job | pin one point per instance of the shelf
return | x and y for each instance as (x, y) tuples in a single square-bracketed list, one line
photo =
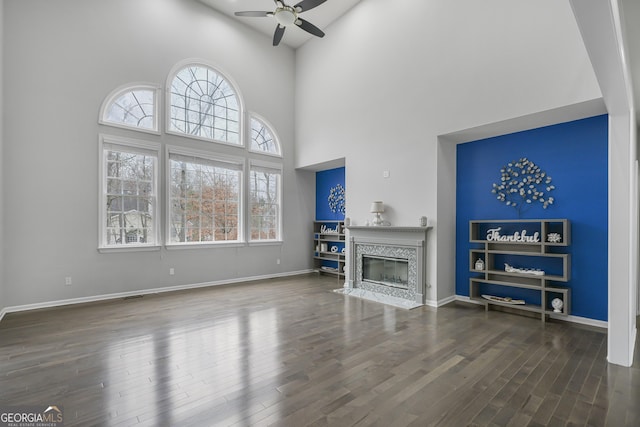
[(525, 307), (510, 284), (333, 262), (526, 276), (529, 243)]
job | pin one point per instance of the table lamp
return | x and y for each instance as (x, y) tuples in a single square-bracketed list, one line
[(377, 208)]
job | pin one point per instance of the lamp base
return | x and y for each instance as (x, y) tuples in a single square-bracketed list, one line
[(377, 221)]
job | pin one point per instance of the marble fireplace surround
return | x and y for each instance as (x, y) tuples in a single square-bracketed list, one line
[(408, 243)]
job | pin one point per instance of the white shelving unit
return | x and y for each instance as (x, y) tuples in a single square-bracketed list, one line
[(328, 235), (529, 242)]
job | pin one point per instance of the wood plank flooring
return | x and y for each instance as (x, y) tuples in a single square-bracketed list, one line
[(290, 352)]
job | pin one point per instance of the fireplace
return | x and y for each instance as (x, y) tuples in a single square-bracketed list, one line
[(386, 271), (388, 264)]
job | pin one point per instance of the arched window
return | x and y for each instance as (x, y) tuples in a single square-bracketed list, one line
[(204, 104), (132, 107), (263, 139)]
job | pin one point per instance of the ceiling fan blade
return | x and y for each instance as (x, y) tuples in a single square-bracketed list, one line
[(309, 27), (254, 14), (277, 36), (305, 5)]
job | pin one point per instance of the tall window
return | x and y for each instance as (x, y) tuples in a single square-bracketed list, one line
[(262, 138), (204, 198), (205, 105), (129, 202), (132, 107), (265, 201)]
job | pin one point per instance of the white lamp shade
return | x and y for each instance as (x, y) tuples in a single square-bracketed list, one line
[(376, 207)]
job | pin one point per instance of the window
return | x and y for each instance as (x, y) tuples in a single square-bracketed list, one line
[(132, 107), (129, 202), (262, 138), (265, 201), (205, 196), (210, 198), (204, 104)]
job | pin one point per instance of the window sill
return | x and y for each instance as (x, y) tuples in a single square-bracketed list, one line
[(266, 243), (180, 246), (111, 249)]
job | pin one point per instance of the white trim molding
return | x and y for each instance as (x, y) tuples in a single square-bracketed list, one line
[(107, 297)]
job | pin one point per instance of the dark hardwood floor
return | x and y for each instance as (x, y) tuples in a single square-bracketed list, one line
[(290, 352)]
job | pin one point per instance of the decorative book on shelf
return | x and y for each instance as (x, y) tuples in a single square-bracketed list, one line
[(521, 264)]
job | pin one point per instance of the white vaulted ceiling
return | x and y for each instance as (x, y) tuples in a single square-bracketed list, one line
[(321, 16)]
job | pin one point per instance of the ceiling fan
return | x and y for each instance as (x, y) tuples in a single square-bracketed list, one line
[(288, 15)]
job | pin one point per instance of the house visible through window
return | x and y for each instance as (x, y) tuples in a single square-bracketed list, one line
[(210, 198), (129, 193), (204, 202)]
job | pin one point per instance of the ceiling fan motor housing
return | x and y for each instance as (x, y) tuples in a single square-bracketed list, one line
[(286, 15)]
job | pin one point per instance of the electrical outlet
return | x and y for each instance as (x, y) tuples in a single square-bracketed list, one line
[(385, 174), (278, 261), (68, 281), (172, 271)]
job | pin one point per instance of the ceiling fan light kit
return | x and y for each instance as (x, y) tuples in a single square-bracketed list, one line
[(286, 15)]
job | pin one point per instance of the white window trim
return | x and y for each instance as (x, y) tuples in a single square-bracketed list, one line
[(125, 143), (242, 208), (116, 93), (195, 62), (280, 239), (276, 139)]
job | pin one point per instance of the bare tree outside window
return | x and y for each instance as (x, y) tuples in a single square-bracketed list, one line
[(265, 204), (205, 202), (204, 104)]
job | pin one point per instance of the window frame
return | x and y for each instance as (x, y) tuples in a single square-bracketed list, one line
[(251, 116), (118, 92), (167, 102), (132, 144), (215, 157), (276, 167)]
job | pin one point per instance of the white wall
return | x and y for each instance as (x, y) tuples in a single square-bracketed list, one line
[(2, 297), (63, 58), (600, 25), (385, 82)]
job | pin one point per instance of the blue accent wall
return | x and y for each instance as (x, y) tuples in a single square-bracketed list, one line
[(574, 155), (325, 181)]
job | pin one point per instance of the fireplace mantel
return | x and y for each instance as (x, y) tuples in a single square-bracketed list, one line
[(388, 228), (397, 242)]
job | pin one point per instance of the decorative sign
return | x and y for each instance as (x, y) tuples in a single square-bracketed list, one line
[(493, 235), (328, 230)]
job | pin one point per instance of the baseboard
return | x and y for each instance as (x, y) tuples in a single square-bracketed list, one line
[(106, 297), (439, 303), (572, 319), (466, 299)]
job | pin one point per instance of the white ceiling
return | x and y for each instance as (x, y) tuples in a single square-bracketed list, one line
[(323, 15), (320, 16)]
